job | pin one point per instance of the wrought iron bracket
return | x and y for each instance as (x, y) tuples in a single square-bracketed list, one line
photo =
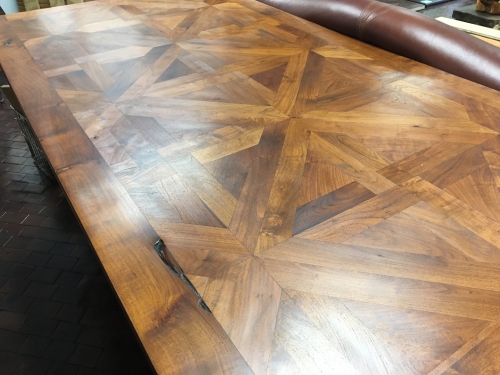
[(163, 253)]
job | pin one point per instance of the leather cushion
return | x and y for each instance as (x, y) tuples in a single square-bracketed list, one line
[(405, 33)]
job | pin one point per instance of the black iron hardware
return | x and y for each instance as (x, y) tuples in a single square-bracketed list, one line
[(162, 251)]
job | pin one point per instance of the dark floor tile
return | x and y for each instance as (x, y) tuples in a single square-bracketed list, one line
[(19, 137), (61, 263), (20, 271), (3, 280), (110, 360), (15, 152), (62, 248), (54, 223), (92, 336), (49, 211), (73, 227), (40, 326), (34, 188), (34, 220), (70, 313), (12, 229), (62, 368), (93, 371), (21, 145), (37, 259), (95, 317), (57, 235), (103, 299), (12, 176), (30, 170), (4, 238), (89, 266), (14, 255), (68, 295), (60, 351), (32, 198), (16, 186), (44, 275), (34, 346), (85, 355), (44, 308), (33, 179), (64, 204), (42, 246), (40, 290), (69, 279), (11, 320), (15, 303), (18, 364), (11, 340), (79, 239), (15, 196), (14, 285), (31, 208), (13, 217), (50, 201), (121, 354), (7, 136), (67, 331), (14, 206), (15, 159), (84, 252), (18, 242)]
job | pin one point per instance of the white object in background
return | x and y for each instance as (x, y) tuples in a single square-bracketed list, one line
[(9, 6), (471, 28)]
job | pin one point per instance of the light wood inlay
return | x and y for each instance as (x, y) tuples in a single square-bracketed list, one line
[(336, 206)]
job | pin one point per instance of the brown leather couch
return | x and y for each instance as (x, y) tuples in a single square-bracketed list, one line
[(403, 32)]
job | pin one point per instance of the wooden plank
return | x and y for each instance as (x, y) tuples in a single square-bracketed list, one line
[(289, 88), (361, 217), (278, 219), (384, 290)]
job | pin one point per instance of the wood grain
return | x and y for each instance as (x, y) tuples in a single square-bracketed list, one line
[(336, 206), (104, 209)]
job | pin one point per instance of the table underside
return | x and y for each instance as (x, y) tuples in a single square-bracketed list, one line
[(336, 206)]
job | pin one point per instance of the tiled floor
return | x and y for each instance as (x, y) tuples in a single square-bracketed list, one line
[(58, 314)]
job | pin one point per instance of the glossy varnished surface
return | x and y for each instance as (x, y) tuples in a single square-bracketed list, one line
[(336, 206)]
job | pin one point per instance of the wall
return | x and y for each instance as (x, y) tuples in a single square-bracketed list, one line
[(9, 6)]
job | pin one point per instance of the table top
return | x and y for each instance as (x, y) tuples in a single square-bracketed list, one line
[(336, 206)]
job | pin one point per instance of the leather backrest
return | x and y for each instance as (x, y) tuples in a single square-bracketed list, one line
[(403, 32)]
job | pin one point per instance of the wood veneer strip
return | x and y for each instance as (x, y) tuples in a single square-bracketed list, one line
[(460, 353)]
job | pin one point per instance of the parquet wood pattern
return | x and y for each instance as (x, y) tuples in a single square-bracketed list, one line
[(336, 206)]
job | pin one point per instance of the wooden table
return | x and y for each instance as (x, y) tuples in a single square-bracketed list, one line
[(335, 205)]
